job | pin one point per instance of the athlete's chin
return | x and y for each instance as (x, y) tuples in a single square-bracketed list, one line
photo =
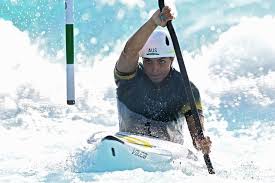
[(156, 79)]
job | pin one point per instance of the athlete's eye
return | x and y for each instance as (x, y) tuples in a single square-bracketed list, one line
[(162, 61), (147, 61)]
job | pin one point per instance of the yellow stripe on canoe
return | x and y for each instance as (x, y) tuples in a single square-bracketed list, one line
[(134, 140)]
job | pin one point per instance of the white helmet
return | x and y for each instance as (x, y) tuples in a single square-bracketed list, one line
[(159, 44)]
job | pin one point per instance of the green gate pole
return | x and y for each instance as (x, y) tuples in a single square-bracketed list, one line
[(70, 51)]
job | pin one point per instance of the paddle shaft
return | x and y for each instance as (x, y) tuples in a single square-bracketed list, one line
[(187, 87)]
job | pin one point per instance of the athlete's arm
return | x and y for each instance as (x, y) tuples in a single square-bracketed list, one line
[(200, 144), (128, 60)]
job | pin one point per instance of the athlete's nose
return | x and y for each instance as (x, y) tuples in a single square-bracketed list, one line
[(155, 67)]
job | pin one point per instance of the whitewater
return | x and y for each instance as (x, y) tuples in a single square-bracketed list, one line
[(229, 52)]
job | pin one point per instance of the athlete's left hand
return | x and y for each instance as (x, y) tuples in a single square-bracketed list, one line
[(203, 144), (162, 17)]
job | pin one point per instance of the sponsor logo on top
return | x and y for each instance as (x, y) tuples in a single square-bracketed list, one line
[(152, 51)]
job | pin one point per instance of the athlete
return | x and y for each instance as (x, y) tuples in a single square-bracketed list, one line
[(151, 95)]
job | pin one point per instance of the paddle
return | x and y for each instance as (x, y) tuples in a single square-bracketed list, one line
[(187, 87)]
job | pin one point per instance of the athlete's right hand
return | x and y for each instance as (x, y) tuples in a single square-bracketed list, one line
[(203, 144), (161, 18)]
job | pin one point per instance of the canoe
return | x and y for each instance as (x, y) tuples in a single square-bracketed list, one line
[(106, 151)]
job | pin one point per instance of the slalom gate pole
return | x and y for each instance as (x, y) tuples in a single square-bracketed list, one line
[(70, 51)]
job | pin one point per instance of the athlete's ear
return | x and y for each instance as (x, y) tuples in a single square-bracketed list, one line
[(172, 59)]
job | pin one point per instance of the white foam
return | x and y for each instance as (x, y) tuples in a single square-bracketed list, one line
[(25, 71), (241, 62), (130, 4), (41, 131)]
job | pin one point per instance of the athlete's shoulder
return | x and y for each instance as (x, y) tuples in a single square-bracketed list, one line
[(176, 77), (176, 74)]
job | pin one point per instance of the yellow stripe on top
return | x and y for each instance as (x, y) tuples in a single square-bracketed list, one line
[(134, 140), (124, 76), (185, 108)]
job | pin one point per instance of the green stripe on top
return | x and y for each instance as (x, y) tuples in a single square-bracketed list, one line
[(70, 43)]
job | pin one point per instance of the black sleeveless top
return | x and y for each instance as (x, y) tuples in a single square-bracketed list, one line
[(165, 102)]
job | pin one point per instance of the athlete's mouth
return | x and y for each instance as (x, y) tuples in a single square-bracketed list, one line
[(155, 76)]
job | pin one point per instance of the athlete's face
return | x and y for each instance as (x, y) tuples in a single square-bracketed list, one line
[(157, 68)]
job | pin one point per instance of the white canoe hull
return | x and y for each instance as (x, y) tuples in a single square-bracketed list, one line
[(123, 151)]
